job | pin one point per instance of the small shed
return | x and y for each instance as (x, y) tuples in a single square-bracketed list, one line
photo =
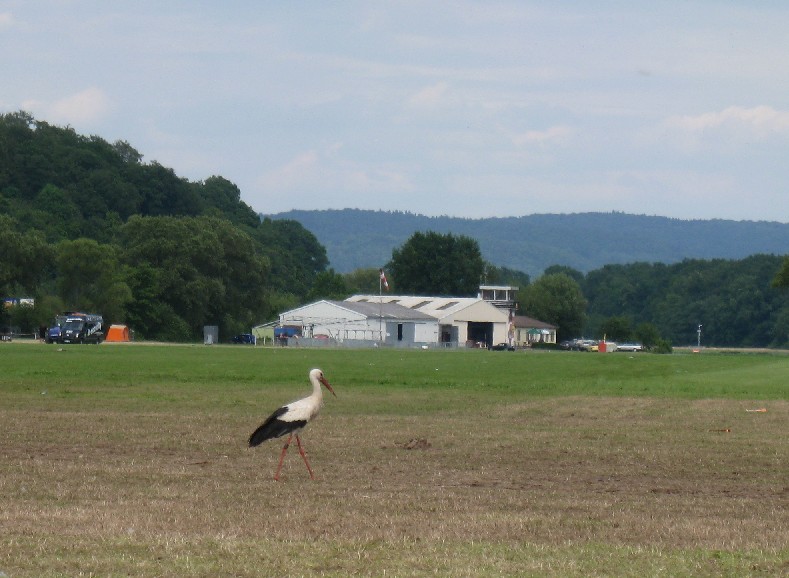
[(264, 333), (210, 334)]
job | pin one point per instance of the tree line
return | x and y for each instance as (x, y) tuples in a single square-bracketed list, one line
[(738, 303), (87, 225)]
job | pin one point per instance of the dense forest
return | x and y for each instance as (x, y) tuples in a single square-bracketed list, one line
[(734, 300), (87, 225), (584, 241)]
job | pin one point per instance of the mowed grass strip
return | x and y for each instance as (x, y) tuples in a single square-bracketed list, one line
[(131, 460)]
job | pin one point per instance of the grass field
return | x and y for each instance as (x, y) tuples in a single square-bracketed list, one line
[(131, 460)]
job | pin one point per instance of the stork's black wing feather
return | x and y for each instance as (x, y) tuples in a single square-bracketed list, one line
[(274, 427)]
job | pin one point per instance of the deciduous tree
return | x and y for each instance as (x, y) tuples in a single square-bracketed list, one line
[(617, 328), (90, 278), (199, 270), (328, 285), (437, 264), (782, 277), (556, 299), (26, 258)]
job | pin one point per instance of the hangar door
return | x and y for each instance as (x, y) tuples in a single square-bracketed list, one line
[(481, 332), (448, 335), (400, 333)]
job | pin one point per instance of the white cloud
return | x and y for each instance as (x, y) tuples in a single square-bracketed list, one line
[(320, 178), (81, 109), (289, 176), (759, 122), (554, 134), (430, 96)]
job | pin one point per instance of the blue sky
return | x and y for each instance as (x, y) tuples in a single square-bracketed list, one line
[(468, 109)]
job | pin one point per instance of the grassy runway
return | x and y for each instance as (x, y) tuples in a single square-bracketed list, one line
[(131, 460)]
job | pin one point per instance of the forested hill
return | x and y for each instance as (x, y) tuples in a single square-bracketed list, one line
[(584, 241), (86, 225)]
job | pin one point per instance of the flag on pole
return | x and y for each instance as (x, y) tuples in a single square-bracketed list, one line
[(384, 282)]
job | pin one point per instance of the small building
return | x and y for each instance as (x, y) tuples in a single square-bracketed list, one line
[(264, 333), (529, 331)]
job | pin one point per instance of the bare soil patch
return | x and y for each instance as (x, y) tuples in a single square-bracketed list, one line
[(148, 492)]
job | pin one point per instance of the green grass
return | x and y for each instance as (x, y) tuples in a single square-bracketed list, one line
[(689, 376), (123, 460), (389, 381)]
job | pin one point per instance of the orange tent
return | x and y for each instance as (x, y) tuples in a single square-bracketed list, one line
[(117, 333)]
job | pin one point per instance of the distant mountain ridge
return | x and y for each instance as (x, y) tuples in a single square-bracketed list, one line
[(356, 238)]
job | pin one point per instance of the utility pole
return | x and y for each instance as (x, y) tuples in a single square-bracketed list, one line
[(698, 336)]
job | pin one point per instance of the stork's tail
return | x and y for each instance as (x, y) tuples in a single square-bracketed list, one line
[(273, 427)]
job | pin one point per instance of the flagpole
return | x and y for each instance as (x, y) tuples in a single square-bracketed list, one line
[(380, 308), (382, 283)]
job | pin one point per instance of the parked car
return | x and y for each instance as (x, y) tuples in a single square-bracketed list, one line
[(503, 347), (586, 345), (53, 332), (244, 338), (631, 347)]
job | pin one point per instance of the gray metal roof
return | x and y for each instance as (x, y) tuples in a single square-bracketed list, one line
[(529, 322), (436, 307), (384, 310)]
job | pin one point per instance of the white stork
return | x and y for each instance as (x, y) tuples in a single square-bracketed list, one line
[(291, 418)]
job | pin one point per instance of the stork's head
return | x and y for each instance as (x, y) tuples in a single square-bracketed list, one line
[(317, 375)]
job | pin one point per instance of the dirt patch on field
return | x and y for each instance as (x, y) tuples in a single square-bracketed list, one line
[(637, 454), (634, 472)]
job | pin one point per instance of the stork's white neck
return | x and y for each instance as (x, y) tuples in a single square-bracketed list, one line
[(317, 393)]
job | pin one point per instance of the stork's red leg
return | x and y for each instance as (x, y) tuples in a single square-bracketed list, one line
[(282, 455), (304, 455)]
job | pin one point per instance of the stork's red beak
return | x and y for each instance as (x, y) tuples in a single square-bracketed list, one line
[(328, 386)]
